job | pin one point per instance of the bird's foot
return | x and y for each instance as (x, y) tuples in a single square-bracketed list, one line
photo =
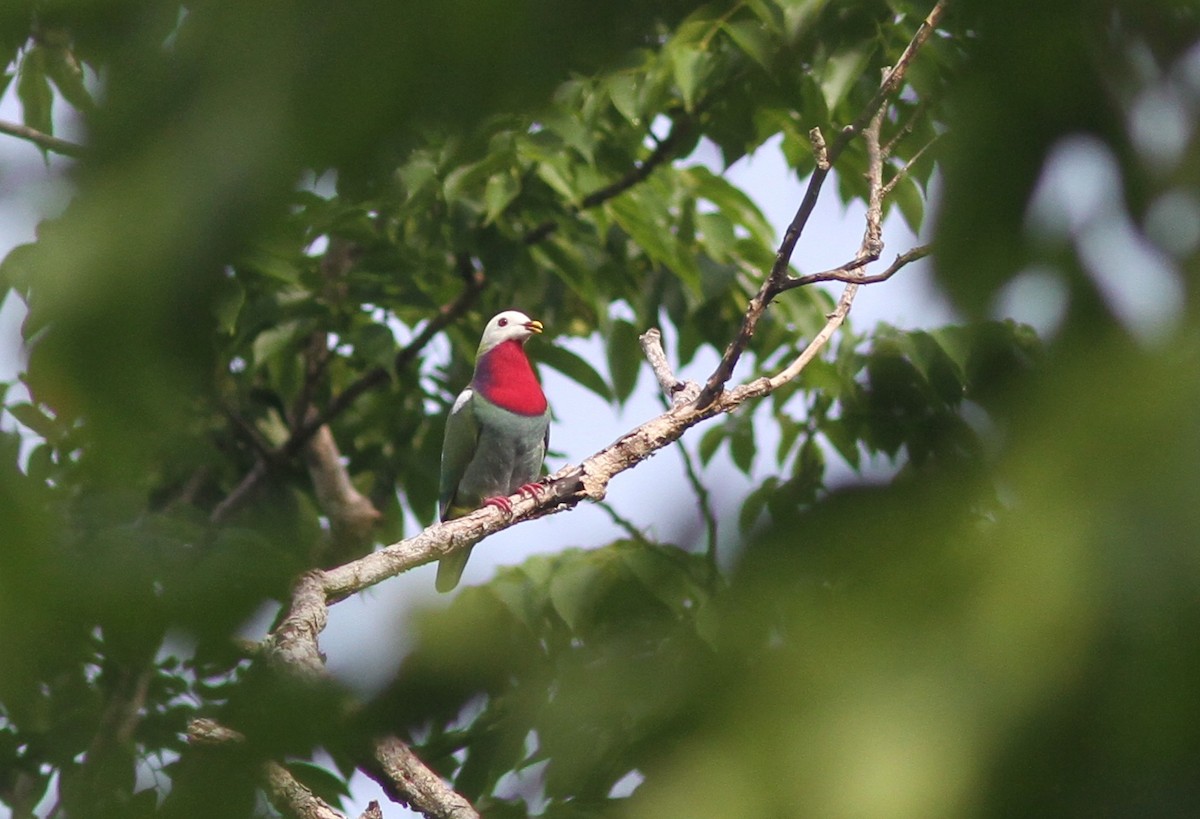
[(532, 490), (501, 503)]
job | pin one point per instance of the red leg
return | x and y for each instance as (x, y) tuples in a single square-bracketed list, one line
[(532, 490)]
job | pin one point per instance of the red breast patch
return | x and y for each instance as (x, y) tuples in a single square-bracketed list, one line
[(504, 376)]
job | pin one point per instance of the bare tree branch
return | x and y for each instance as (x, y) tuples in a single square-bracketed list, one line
[(407, 780), (44, 141), (826, 156), (292, 798)]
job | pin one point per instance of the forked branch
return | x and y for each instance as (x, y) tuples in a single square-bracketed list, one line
[(826, 156)]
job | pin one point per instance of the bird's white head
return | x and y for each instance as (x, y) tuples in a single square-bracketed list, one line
[(511, 325)]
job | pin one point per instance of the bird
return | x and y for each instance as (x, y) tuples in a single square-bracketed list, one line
[(496, 434)]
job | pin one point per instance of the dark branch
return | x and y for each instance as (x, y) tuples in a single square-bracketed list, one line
[(663, 152)]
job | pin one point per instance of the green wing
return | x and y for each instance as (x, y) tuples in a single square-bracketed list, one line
[(458, 448)]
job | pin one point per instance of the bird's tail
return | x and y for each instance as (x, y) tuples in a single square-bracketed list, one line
[(450, 569)]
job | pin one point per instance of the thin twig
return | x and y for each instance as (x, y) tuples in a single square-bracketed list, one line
[(892, 81), (848, 272), (43, 140), (904, 130), (903, 172)]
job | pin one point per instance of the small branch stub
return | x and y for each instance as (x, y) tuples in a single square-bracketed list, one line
[(677, 392), (820, 150)]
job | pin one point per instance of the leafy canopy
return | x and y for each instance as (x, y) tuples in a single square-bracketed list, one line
[(275, 201)]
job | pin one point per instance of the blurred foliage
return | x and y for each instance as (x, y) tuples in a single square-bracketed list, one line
[(276, 199)]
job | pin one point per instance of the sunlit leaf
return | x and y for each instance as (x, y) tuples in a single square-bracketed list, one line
[(690, 68), (841, 71), (502, 188)]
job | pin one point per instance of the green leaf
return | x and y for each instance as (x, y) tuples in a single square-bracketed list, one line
[(578, 586), (624, 359), (840, 71), (227, 304), (667, 573), (375, 343), (33, 418), (40, 465), (573, 367), (731, 201), (624, 91), (716, 235), (956, 344), (907, 196), (274, 341), (838, 433), (647, 220), (33, 90), (710, 442), (800, 15), (502, 188), (790, 431), (321, 781), (809, 469), (565, 260), (557, 175), (751, 37), (270, 263), (756, 501), (742, 445), (689, 66)]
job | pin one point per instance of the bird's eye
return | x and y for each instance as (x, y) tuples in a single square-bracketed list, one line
[(503, 322)]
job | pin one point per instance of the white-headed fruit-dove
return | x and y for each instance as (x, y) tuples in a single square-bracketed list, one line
[(497, 432)]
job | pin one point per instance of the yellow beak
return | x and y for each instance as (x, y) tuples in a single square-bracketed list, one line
[(533, 326)]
